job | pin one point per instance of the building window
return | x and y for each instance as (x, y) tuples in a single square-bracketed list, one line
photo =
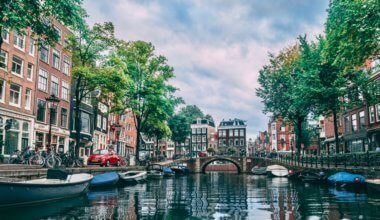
[(59, 33), (42, 80), (371, 114), (65, 90), (378, 112), (231, 133), (85, 118), (5, 36), (193, 131), (53, 115), (204, 130), (28, 98), (241, 132), (354, 122), (236, 132), (236, 142), (25, 135), (204, 138), (17, 64), (104, 125), (241, 142), (32, 46), (193, 138), (19, 41), (87, 99), (56, 58), (2, 90), (29, 72), (199, 131), (64, 117), (3, 60), (66, 65), (99, 121), (44, 53), (347, 124), (230, 142), (361, 120), (199, 138), (15, 93), (41, 106), (54, 86)]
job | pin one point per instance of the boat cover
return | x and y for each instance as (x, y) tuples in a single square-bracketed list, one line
[(110, 177), (344, 177), (167, 170)]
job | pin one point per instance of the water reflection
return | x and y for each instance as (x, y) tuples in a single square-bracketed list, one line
[(211, 196)]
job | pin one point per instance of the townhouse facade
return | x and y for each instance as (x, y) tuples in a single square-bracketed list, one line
[(202, 135), (18, 64), (281, 135), (232, 133)]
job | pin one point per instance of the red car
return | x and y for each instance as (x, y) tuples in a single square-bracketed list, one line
[(104, 158), (202, 154)]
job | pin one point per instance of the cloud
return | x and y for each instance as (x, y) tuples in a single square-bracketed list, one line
[(216, 47)]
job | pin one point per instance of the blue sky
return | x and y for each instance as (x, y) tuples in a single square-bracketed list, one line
[(216, 47)]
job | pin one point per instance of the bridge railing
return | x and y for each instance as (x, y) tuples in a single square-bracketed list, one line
[(355, 160)]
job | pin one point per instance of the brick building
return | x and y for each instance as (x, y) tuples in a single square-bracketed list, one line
[(232, 133), (281, 135), (18, 64), (202, 135)]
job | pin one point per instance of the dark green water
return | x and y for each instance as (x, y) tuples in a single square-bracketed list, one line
[(211, 196)]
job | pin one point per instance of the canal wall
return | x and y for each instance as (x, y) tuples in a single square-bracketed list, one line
[(32, 172)]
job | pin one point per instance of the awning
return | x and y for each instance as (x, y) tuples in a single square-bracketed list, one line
[(329, 140)]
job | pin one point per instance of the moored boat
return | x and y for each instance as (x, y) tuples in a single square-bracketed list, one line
[(346, 179), (24, 192), (259, 170), (133, 177), (311, 177), (373, 184), (168, 172), (155, 174), (180, 169), (104, 180), (277, 171)]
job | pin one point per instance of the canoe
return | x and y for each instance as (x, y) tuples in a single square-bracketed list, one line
[(277, 171), (373, 184), (259, 170), (104, 180), (345, 178), (133, 177), (168, 172), (155, 174), (24, 192), (311, 177)]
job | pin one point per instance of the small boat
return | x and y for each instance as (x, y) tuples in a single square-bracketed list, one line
[(180, 169), (259, 170), (373, 184), (104, 180), (155, 174), (57, 185), (311, 177), (277, 171), (168, 172), (133, 177), (346, 179)]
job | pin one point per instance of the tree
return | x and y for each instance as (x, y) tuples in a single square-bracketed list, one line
[(91, 70), (149, 93), (19, 15), (352, 32), (191, 112), (180, 129)]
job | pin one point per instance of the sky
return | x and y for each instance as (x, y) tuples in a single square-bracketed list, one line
[(216, 47)]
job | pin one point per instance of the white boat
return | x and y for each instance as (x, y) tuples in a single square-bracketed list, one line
[(133, 177), (277, 170), (23, 192), (155, 174), (373, 184)]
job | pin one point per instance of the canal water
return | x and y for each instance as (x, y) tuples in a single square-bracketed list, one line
[(210, 196)]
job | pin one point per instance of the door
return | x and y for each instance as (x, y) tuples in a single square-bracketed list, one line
[(11, 142)]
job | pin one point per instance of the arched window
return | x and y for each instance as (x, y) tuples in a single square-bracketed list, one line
[(25, 127)]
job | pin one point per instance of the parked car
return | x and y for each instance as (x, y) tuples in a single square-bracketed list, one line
[(104, 158), (202, 154)]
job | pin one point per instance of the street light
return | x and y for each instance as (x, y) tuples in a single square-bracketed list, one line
[(53, 103), (318, 130)]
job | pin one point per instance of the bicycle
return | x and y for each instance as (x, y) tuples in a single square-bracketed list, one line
[(52, 160), (69, 161), (20, 157), (37, 159)]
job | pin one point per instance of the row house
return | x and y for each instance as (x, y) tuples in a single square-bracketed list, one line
[(281, 135), (232, 133), (101, 125), (202, 135), (27, 77)]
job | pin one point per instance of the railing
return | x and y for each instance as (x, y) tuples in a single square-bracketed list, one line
[(353, 160)]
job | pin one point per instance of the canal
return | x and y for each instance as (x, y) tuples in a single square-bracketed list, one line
[(210, 196)]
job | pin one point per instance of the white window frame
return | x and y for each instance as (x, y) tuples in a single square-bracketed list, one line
[(354, 119), (6, 60), (54, 81), (21, 69), (6, 39), (16, 39), (65, 90), (47, 56), (66, 65), (372, 114), (32, 46), (104, 123), (59, 33), (31, 72), (56, 52), (28, 99), (2, 94), (377, 112), (19, 96), (39, 80)]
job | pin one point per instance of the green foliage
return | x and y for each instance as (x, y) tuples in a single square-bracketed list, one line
[(38, 15)]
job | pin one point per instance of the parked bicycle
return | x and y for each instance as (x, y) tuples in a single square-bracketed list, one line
[(20, 157), (69, 161), (37, 159), (52, 159)]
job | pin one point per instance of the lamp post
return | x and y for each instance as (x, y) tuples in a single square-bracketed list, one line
[(53, 103), (319, 129)]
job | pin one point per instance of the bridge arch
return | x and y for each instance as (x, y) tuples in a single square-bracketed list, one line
[(206, 162)]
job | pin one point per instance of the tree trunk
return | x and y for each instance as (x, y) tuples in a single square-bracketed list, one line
[(157, 150), (138, 137), (299, 135), (1, 38), (336, 134), (77, 120)]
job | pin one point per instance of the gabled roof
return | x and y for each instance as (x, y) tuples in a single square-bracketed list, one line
[(232, 122)]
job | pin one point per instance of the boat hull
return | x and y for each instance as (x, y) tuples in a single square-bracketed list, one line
[(105, 180), (139, 177), (259, 171), (373, 184), (14, 194)]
